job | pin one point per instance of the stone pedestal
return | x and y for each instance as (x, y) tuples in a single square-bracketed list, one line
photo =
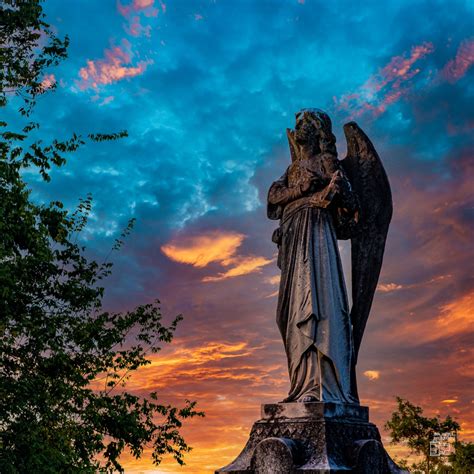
[(313, 438)]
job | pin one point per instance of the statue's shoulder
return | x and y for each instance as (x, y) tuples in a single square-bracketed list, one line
[(283, 179), (298, 170)]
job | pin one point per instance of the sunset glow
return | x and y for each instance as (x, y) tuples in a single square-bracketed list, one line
[(202, 250)]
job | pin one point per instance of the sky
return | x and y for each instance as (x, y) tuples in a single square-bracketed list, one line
[(206, 89)]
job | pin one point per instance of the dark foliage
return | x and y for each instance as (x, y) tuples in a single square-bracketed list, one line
[(408, 425), (64, 360)]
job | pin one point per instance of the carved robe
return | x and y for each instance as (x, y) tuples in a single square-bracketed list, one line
[(313, 313)]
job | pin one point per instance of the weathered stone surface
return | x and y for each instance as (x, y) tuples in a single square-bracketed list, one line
[(317, 438), (317, 200), (275, 456), (315, 410), (370, 457)]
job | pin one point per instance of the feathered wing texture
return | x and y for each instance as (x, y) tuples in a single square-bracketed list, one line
[(369, 181)]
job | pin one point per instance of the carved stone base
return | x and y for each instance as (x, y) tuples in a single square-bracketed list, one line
[(313, 438)]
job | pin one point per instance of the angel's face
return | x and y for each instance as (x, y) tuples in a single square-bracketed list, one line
[(307, 127)]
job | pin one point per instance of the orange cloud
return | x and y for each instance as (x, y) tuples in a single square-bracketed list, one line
[(391, 287), (457, 67), (111, 69), (273, 280), (200, 251), (453, 318), (372, 374), (388, 287), (227, 380), (213, 351), (243, 266), (216, 246), (457, 316), (387, 86), (215, 361)]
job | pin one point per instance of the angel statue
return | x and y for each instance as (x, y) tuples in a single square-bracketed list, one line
[(318, 200)]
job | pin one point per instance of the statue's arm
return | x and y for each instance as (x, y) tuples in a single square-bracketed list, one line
[(280, 193)]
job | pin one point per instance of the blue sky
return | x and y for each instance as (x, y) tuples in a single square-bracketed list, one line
[(223, 81)]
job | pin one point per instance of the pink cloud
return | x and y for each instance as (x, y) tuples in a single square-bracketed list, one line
[(140, 4), (457, 67), (49, 80), (145, 6), (398, 69), (114, 67), (137, 29), (386, 87), (107, 100)]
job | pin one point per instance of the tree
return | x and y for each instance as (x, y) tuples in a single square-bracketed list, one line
[(462, 460), (24, 56), (64, 359), (408, 424)]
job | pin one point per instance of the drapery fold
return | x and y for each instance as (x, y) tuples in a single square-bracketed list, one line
[(312, 312)]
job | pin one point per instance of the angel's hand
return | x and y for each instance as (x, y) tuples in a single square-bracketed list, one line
[(306, 186), (336, 181)]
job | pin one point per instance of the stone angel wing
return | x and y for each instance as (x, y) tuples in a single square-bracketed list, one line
[(369, 181)]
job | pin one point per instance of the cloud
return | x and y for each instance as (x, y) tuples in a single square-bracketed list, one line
[(446, 321), (137, 12), (273, 280), (136, 28), (214, 246), (242, 266), (372, 374), (200, 251), (456, 316), (201, 363), (140, 6), (179, 365), (383, 89), (391, 287), (388, 287), (48, 81), (107, 100), (457, 67), (116, 66)]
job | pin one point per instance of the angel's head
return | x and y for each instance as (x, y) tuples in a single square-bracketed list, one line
[(313, 128)]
